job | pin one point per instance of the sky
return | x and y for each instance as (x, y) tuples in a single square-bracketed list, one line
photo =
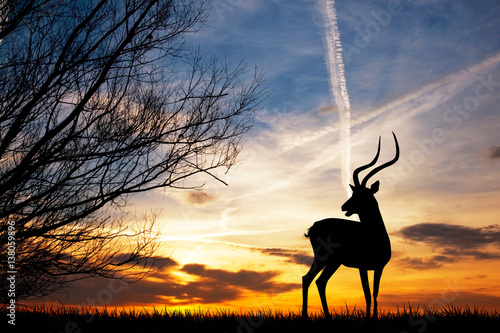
[(429, 71)]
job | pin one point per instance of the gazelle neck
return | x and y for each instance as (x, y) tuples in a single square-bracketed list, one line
[(372, 218)]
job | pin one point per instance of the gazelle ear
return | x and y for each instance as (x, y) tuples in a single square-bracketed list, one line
[(352, 187), (375, 186)]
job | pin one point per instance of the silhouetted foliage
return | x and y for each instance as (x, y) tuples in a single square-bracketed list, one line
[(100, 100), (408, 319)]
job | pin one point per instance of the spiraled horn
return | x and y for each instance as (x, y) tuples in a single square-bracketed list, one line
[(385, 165), (366, 166)]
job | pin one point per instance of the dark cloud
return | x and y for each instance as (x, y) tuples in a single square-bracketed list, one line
[(151, 262), (423, 264), (292, 256), (327, 109), (249, 280), (476, 254), (452, 242), (210, 286), (478, 276), (200, 197), (494, 152), (452, 235)]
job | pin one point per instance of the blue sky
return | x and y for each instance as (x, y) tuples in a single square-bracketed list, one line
[(390, 47)]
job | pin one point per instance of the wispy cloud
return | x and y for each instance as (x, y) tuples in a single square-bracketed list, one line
[(224, 236), (338, 86), (292, 256), (431, 95), (334, 57), (294, 130)]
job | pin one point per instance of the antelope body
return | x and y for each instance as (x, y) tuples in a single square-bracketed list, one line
[(364, 245)]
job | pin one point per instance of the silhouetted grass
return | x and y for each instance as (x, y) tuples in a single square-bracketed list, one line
[(408, 319)]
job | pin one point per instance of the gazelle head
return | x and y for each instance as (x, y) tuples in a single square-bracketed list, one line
[(362, 197)]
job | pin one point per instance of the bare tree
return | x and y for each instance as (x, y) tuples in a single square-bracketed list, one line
[(99, 100)]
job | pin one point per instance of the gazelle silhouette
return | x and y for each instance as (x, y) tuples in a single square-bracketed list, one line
[(364, 245)]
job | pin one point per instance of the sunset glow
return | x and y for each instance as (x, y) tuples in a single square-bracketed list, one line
[(427, 71)]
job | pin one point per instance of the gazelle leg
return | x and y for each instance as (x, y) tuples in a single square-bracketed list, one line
[(363, 273), (307, 279), (321, 284), (376, 282)]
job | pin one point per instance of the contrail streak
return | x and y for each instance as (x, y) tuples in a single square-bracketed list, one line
[(338, 87), (424, 99)]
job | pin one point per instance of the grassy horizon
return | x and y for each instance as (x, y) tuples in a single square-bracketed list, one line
[(407, 319)]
